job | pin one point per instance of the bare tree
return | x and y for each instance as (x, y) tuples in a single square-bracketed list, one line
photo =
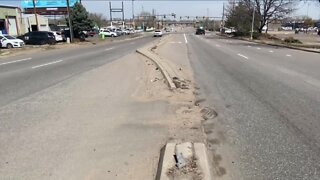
[(269, 10), (98, 19)]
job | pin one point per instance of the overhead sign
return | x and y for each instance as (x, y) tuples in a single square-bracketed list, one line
[(47, 3)]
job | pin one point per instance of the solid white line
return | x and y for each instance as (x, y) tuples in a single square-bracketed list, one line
[(243, 56), (185, 38), (20, 60), (41, 65), (108, 49)]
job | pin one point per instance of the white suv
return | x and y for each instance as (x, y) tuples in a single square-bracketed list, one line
[(10, 42), (108, 33), (157, 33)]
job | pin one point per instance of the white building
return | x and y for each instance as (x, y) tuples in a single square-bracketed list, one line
[(29, 23)]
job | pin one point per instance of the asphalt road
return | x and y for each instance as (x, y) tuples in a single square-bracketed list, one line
[(23, 75), (268, 104)]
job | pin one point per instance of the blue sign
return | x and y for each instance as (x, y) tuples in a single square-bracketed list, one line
[(47, 3)]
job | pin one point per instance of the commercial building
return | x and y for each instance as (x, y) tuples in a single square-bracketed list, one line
[(10, 20), (29, 23)]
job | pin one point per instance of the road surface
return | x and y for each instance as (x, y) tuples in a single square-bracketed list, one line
[(88, 113), (26, 74), (268, 104)]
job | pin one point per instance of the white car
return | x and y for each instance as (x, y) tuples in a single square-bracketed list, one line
[(11, 42), (108, 33), (57, 36), (157, 33)]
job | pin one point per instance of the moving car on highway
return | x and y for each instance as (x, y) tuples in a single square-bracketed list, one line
[(200, 31), (38, 37), (157, 33), (10, 42)]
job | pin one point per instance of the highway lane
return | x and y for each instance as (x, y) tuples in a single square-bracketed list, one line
[(23, 75), (268, 104)]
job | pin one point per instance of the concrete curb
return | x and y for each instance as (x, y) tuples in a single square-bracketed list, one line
[(153, 57), (188, 151), (276, 45), (286, 46)]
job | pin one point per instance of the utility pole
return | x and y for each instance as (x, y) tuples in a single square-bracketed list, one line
[(110, 12), (222, 23), (252, 25), (132, 8), (122, 16), (35, 14), (69, 20)]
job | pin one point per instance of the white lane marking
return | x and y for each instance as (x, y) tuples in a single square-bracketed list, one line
[(249, 46), (310, 80), (132, 43), (243, 56), (258, 48), (271, 51), (41, 65), (185, 38), (288, 55), (218, 45), (20, 60), (108, 49), (175, 42)]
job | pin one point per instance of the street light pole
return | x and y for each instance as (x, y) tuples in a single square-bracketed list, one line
[(252, 25), (69, 20), (132, 9)]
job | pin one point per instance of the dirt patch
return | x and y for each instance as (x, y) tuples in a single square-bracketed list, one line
[(185, 125), (189, 172)]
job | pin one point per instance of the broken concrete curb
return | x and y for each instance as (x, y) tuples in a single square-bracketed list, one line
[(192, 154), (150, 55)]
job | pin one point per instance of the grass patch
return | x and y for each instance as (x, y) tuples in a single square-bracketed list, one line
[(291, 40)]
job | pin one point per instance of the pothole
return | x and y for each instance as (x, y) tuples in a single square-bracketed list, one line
[(208, 113)]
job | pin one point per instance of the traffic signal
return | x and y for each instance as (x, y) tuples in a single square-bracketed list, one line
[(196, 17), (181, 17), (164, 16), (188, 17), (174, 15)]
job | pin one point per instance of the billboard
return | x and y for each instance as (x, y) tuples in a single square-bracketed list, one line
[(47, 3)]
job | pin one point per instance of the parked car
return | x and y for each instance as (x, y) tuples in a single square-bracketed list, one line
[(119, 32), (10, 42), (38, 37), (58, 36), (108, 33), (200, 31), (126, 31), (157, 33), (130, 31), (93, 32)]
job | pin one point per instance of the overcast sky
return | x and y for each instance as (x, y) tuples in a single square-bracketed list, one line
[(180, 7)]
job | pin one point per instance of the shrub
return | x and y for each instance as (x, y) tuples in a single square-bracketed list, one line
[(292, 40)]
